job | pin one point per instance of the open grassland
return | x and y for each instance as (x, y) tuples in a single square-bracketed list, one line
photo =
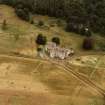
[(24, 83), (94, 70), (20, 35), (26, 33), (42, 83)]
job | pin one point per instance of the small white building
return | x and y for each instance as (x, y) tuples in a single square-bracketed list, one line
[(55, 51)]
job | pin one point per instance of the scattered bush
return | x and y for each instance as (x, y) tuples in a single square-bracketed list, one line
[(4, 25), (40, 23), (100, 46), (85, 31), (59, 22), (19, 6), (41, 40), (79, 29), (56, 40), (32, 21), (22, 12), (71, 27), (9, 2), (87, 43), (16, 37), (39, 49)]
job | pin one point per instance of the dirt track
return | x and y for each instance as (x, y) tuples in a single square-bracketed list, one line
[(20, 89), (66, 68)]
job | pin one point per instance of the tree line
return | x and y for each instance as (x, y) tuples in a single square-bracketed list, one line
[(77, 13)]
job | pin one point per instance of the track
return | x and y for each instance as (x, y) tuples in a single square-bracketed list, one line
[(78, 54), (85, 80), (66, 67)]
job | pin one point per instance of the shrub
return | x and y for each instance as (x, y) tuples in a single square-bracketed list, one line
[(19, 6), (41, 40), (82, 31), (56, 40), (85, 31), (22, 11), (40, 23), (9, 2), (39, 49), (59, 22), (32, 21), (59, 13), (72, 27), (87, 43), (100, 46), (4, 25), (23, 14), (77, 28)]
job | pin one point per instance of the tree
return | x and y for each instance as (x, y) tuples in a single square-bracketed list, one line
[(32, 21), (9, 2), (75, 16), (59, 8), (85, 31), (22, 11), (56, 40), (88, 43), (75, 11), (23, 14), (41, 40), (95, 14), (4, 25), (91, 12), (72, 27)]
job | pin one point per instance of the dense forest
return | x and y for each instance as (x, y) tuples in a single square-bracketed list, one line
[(77, 13)]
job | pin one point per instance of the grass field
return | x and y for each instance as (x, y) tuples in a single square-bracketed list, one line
[(27, 31), (23, 82)]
